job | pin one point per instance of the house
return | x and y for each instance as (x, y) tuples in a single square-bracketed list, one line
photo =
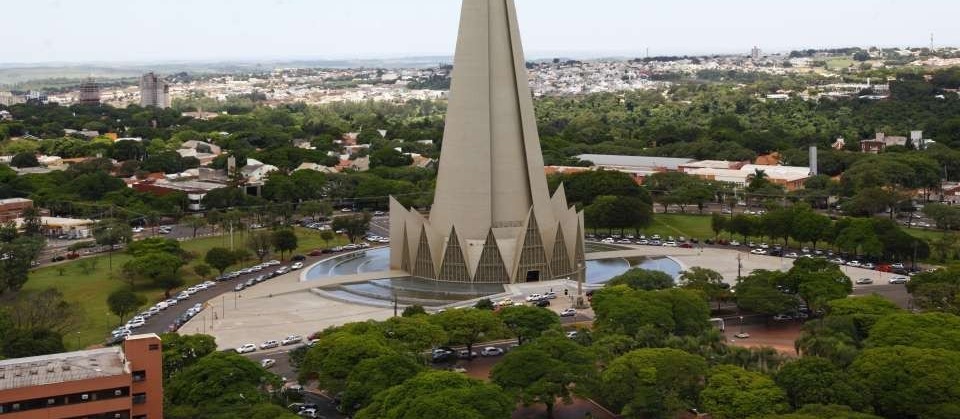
[(303, 143), (316, 168), (881, 142), (256, 171), (195, 190)]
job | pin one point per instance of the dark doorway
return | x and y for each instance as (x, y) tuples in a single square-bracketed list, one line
[(533, 276)]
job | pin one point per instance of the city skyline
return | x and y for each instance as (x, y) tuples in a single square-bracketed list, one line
[(244, 30)]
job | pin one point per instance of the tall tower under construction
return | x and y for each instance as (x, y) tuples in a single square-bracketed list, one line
[(154, 91), (90, 93)]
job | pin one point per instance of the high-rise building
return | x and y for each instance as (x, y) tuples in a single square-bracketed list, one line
[(154, 91), (90, 92), (755, 53), (115, 382), (493, 219)]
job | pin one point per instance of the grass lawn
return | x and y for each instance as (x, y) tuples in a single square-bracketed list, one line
[(90, 289), (928, 235), (839, 63)]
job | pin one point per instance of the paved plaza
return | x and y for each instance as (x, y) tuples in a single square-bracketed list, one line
[(286, 305)]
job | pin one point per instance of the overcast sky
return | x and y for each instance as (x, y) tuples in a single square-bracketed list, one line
[(203, 30)]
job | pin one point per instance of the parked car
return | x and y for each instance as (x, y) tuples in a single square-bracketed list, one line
[(247, 348), (296, 266), (864, 281), (269, 344), (572, 334), (290, 340), (534, 297), (464, 354), (298, 258), (569, 312), (782, 317), (899, 279), (491, 351)]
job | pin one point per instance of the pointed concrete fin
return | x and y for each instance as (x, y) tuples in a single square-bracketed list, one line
[(405, 258), (454, 267), (491, 268), (560, 263), (533, 256), (424, 267)]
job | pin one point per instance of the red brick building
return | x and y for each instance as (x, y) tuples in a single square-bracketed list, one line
[(109, 383)]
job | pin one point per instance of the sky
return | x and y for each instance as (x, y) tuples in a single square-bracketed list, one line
[(84, 31)]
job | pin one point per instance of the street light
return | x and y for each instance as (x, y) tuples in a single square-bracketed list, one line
[(741, 325)]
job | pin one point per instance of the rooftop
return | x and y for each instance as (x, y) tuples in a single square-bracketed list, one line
[(644, 162), (63, 367)]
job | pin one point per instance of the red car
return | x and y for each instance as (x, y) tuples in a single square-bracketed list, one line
[(884, 268), (686, 246), (317, 252)]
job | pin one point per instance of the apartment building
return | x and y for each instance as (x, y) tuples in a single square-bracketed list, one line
[(120, 382)]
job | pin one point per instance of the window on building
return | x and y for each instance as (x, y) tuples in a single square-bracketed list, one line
[(154, 347), (140, 398), (139, 376)]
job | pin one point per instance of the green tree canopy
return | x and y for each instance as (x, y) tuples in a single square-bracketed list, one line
[(733, 392), (652, 382), (439, 395)]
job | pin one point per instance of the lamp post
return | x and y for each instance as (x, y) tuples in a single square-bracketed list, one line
[(581, 272), (741, 325), (739, 266)]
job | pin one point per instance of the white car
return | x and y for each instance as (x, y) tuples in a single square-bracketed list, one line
[(899, 280), (290, 340), (758, 252), (792, 255), (267, 363), (670, 244), (550, 295), (572, 334), (296, 266), (568, 312), (247, 348), (135, 323), (491, 351), (269, 344), (534, 297)]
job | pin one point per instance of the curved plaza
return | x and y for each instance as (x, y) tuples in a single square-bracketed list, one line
[(358, 287)]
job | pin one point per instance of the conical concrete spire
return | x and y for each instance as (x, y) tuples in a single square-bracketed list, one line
[(491, 181), (491, 166)]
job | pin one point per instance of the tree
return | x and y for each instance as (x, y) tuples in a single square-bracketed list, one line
[(327, 237), (202, 386), (220, 258), (260, 243), (810, 227), (910, 382), (718, 223), (355, 226), (284, 241), (15, 267), (196, 223), (375, 375), (182, 351), (162, 269), (811, 380), (818, 282), (439, 395), (613, 212), (652, 382), (484, 304), (202, 270), (414, 310), (643, 279), (760, 294), (937, 290), (44, 310), (21, 343), (544, 370), (124, 301), (23, 160), (32, 224), (819, 411), (389, 157), (622, 310), (707, 281), (733, 392), (315, 209), (467, 326), (527, 322), (112, 233), (924, 330)]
